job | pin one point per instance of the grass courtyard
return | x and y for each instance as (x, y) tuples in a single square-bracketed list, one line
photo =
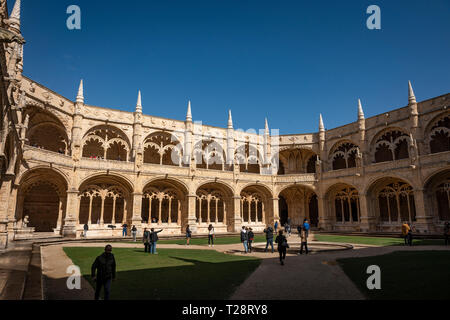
[(405, 275), (172, 274), (378, 241)]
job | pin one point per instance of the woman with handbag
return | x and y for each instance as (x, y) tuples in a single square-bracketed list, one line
[(282, 246)]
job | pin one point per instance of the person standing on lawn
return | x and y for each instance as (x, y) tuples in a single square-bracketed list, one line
[(124, 230), (85, 230), (410, 235), (304, 240), (251, 237), (153, 240), (405, 231), (134, 233), (103, 272), (269, 237), (244, 239), (446, 232), (211, 235), (146, 240), (282, 246), (188, 235)]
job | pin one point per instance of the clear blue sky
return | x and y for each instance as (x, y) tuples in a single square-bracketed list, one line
[(285, 60)]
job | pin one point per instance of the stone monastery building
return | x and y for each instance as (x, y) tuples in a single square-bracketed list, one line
[(66, 163)]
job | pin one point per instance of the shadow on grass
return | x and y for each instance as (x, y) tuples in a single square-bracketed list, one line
[(405, 275), (172, 274), (378, 241)]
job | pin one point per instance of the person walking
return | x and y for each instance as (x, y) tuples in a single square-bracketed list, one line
[(306, 226), (134, 233), (146, 240), (188, 235), (103, 272), (304, 240), (410, 235), (211, 235), (269, 237), (405, 231), (85, 230), (282, 246), (446, 232), (244, 239), (251, 237), (124, 230), (276, 226), (153, 240)]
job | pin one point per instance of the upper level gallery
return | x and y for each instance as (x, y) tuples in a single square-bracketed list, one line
[(101, 138)]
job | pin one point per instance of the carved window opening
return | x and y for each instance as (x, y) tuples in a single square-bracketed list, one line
[(161, 206), (396, 203), (346, 205), (162, 148), (344, 156), (248, 158), (392, 145), (102, 204), (210, 207), (440, 136), (106, 143), (209, 154), (252, 208), (442, 194), (295, 161)]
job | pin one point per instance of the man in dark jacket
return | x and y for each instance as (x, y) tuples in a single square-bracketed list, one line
[(244, 238), (153, 240), (103, 271), (269, 237), (146, 240)]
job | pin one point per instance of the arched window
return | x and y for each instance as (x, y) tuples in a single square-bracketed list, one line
[(45, 131), (162, 148), (102, 204), (295, 160), (346, 202), (252, 208), (442, 193), (440, 135), (344, 156), (396, 203), (105, 142), (210, 207), (161, 206), (392, 145), (209, 154), (249, 158)]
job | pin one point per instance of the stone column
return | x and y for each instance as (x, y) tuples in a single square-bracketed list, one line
[(4, 200), (72, 214), (276, 211), (237, 213), (325, 222), (192, 219), (136, 218), (424, 221), (368, 222)]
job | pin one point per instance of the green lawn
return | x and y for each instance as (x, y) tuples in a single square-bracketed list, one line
[(172, 274), (404, 275), (374, 240), (204, 241)]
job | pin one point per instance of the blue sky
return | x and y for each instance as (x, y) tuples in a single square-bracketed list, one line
[(284, 60)]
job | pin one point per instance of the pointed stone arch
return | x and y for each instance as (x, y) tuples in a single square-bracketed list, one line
[(106, 142), (163, 148)]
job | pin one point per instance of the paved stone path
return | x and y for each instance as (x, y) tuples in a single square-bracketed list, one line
[(312, 277)]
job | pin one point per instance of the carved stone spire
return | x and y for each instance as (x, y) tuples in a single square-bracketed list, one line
[(189, 112), (411, 95), (14, 19), (266, 128), (80, 95), (230, 120), (360, 111), (139, 103), (321, 126)]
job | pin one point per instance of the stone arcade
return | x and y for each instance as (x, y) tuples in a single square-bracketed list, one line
[(66, 163)]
